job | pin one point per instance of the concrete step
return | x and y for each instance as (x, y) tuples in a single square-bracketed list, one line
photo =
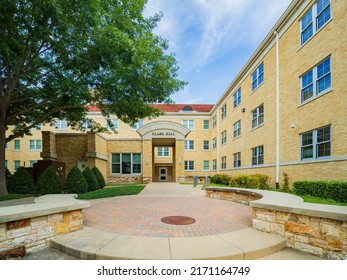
[(246, 244)]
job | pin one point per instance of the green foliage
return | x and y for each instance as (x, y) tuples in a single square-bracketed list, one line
[(131, 189), (75, 182), (99, 177), (21, 182), (7, 174), (221, 179), (90, 179), (43, 54), (285, 182), (336, 190), (263, 179), (244, 181), (49, 182)]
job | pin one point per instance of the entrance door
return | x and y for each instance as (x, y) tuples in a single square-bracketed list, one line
[(162, 174)]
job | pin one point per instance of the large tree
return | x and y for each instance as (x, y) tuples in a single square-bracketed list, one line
[(58, 56)]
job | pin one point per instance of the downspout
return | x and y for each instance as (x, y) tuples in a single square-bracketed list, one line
[(277, 110)]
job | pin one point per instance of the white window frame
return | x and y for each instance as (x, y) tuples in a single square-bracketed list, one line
[(206, 165), (189, 165), (314, 21), (132, 173), (214, 164), (315, 81), (214, 121), (237, 129), (224, 112), (214, 143), (223, 163), (258, 154), (258, 116), (223, 137), (138, 124), (190, 124), (16, 145), (258, 76), (189, 145), (237, 160), (115, 123), (208, 125), (16, 164), (32, 162), (60, 124), (315, 143), (163, 152), (35, 145), (237, 98), (207, 142)]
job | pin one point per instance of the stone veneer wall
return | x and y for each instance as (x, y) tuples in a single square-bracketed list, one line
[(325, 237), (17, 238), (316, 235)]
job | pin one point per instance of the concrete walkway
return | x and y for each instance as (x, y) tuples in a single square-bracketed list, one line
[(108, 242)]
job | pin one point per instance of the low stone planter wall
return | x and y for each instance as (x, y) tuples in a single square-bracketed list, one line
[(314, 228), (29, 228)]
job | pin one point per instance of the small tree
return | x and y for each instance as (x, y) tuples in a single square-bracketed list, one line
[(91, 179), (48, 182), (75, 182), (285, 182), (21, 182), (99, 177)]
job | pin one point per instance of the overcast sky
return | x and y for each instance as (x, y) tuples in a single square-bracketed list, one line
[(213, 39)]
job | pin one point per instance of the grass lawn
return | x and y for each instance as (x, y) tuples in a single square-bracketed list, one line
[(111, 191)]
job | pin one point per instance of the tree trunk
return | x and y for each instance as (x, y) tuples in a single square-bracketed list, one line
[(3, 188)]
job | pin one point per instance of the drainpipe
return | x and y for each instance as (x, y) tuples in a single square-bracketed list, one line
[(277, 111)]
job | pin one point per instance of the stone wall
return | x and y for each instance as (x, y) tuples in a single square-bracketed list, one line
[(18, 238), (236, 196), (125, 179), (319, 236)]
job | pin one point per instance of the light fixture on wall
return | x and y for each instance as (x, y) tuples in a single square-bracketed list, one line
[(243, 110), (294, 125)]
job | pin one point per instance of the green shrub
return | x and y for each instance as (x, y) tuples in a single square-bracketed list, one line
[(48, 182), (99, 177), (264, 181), (221, 179), (20, 182), (75, 182), (285, 186), (7, 174), (336, 190), (91, 179), (244, 181)]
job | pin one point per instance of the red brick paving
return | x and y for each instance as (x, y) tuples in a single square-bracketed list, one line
[(141, 216)]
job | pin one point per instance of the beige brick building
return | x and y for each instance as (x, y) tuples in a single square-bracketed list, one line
[(284, 112)]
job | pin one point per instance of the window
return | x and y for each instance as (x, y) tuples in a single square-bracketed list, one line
[(35, 145), (214, 121), (237, 129), (206, 146), (138, 124), (214, 143), (187, 108), (316, 144), (163, 152), (314, 19), (188, 165), (112, 124), (32, 162), (214, 164), (316, 81), (258, 77), (206, 165), (36, 127), (16, 164), (17, 145), (224, 137), (237, 98), (206, 124), (258, 155), (224, 163), (60, 124), (237, 160), (258, 116), (126, 164), (224, 112), (189, 124), (188, 145)]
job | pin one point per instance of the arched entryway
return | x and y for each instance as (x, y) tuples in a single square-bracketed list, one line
[(163, 151)]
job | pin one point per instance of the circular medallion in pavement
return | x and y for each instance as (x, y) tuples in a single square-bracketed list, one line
[(178, 220)]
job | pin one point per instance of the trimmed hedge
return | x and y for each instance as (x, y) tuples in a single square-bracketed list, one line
[(20, 182), (244, 181), (49, 182), (221, 179), (99, 177), (91, 180), (75, 182), (336, 190)]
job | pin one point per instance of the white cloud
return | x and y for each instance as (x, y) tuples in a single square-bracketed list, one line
[(200, 30)]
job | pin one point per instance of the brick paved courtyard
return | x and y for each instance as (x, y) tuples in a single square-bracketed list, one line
[(141, 216)]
